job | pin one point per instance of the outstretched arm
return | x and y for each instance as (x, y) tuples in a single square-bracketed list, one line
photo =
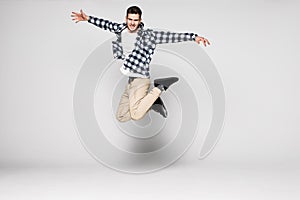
[(170, 37), (101, 23)]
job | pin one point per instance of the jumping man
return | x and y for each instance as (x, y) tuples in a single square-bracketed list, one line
[(135, 45)]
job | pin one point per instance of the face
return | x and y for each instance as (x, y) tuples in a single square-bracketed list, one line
[(133, 21)]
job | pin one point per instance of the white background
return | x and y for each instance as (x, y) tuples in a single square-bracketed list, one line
[(255, 47)]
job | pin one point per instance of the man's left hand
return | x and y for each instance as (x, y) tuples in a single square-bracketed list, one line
[(199, 39)]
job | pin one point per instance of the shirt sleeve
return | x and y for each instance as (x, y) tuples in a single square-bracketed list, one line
[(104, 24), (171, 37)]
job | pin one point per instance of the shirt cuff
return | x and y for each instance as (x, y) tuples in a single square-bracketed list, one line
[(194, 36), (91, 19)]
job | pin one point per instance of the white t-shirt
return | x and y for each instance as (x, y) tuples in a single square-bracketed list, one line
[(128, 41)]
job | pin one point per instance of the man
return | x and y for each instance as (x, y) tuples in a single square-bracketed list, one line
[(135, 45)]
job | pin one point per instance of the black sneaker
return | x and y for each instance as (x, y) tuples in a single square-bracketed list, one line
[(158, 106), (165, 82)]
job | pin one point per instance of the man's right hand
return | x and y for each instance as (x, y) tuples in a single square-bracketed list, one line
[(79, 16)]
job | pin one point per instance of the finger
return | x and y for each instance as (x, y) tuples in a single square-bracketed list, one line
[(76, 13), (206, 41), (82, 14)]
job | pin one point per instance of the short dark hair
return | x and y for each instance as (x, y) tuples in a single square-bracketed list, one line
[(134, 10)]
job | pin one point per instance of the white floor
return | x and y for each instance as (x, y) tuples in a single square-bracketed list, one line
[(199, 179)]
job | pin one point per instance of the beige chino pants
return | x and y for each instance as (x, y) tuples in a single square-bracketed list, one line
[(136, 100)]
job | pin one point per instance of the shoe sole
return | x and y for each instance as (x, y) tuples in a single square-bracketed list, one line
[(163, 81)]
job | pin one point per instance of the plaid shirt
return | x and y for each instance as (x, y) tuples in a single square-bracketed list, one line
[(139, 59)]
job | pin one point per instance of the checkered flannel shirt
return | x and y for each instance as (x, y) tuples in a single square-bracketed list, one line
[(139, 59)]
